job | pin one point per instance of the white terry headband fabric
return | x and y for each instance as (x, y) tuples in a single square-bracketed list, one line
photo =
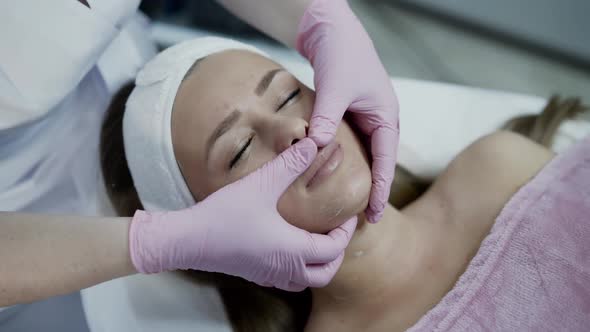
[(147, 122)]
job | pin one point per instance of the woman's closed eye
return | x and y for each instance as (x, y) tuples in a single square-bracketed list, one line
[(238, 156), (290, 98), (241, 151)]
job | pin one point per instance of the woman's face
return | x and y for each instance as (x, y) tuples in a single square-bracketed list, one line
[(237, 111)]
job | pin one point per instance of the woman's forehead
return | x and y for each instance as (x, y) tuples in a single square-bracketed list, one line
[(219, 77), (236, 61), (222, 80)]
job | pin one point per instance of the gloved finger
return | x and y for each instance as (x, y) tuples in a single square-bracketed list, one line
[(326, 248), (279, 173), (384, 144), (294, 287), (326, 117), (321, 275), (266, 284), (289, 285)]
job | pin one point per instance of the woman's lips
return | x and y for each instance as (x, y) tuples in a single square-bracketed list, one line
[(326, 162)]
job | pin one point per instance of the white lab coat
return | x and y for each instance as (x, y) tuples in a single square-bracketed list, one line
[(59, 66), (60, 63)]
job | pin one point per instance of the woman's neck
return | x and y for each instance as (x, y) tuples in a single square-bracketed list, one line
[(393, 272)]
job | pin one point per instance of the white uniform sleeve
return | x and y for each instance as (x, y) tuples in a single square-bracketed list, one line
[(48, 47)]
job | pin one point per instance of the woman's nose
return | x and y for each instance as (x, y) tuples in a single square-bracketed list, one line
[(289, 132)]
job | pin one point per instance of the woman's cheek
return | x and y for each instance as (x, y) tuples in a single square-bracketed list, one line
[(319, 212), (290, 208), (300, 210)]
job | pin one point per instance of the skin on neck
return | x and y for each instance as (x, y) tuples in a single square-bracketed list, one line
[(392, 274)]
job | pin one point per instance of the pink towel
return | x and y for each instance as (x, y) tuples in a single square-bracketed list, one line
[(532, 272)]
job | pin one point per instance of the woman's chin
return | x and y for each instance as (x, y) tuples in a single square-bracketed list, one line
[(324, 214), (339, 206)]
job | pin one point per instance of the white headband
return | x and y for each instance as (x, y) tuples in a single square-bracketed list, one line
[(147, 122)]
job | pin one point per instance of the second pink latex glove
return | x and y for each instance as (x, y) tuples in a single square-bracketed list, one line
[(238, 231), (348, 75)]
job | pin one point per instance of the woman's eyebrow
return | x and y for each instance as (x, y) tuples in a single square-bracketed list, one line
[(221, 129), (265, 81)]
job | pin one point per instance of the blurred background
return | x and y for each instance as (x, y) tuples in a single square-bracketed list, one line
[(538, 47)]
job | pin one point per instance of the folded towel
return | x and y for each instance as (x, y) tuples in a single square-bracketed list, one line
[(532, 272)]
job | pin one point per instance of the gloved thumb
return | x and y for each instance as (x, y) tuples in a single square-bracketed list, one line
[(289, 165), (326, 117)]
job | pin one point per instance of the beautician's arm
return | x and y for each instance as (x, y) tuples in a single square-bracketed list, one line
[(278, 19), (43, 255)]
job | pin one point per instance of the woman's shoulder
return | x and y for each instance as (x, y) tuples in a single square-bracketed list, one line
[(477, 184), (500, 162)]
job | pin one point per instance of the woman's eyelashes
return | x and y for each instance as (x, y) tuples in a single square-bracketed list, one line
[(289, 98), (240, 153), (243, 149)]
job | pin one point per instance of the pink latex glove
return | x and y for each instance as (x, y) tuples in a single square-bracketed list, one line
[(238, 231), (348, 75)]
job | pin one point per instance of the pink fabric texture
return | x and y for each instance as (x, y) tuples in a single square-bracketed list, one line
[(532, 272)]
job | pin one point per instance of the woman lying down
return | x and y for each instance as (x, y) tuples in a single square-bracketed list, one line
[(499, 241)]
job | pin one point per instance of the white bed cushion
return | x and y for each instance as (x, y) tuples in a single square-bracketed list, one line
[(146, 303), (438, 120)]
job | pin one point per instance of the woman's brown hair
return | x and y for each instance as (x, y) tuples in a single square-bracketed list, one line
[(251, 307)]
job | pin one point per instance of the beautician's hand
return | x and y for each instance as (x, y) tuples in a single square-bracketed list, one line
[(238, 230), (350, 76)]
